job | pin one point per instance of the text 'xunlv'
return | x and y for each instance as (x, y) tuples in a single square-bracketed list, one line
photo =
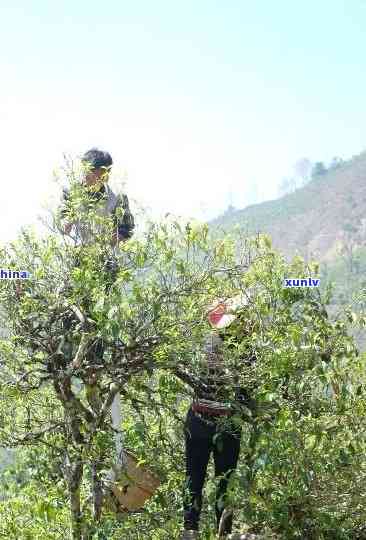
[(298, 282)]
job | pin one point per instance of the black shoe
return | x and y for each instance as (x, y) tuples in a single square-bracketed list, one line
[(189, 535), (240, 536)]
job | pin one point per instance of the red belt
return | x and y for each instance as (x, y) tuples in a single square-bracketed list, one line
[(209, 410)]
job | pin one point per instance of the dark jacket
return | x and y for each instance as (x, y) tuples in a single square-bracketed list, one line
[(216, 379), (106, 203)]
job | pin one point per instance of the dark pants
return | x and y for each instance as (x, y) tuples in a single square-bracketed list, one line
[(199, 433)]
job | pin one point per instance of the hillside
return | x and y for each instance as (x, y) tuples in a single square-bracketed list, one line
[(312, 220)]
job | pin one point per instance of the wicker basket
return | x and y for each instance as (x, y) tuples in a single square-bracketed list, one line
[(136, 485)]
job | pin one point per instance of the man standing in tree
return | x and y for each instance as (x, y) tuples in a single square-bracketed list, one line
[(97, 165)]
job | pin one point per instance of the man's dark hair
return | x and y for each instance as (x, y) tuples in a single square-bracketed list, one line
[(95, 158)]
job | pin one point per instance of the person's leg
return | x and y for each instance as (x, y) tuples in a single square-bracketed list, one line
[(226, 454), (198, 440)]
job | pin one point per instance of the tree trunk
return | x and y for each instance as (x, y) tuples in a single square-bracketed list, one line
[(74, 473), (97, 489), (118, 437), (95, 402)]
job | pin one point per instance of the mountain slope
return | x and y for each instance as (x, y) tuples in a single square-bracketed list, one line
[(311, 220)]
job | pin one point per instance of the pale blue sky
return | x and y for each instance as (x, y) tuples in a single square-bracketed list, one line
[(193, 98)]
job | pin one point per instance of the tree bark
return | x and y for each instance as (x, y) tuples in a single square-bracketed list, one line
[(74, 473), (95, 402), (97, 491), (118, 437)]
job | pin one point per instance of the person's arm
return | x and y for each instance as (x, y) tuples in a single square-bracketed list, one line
[(67, 226), (125, 224), (243, 395)]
